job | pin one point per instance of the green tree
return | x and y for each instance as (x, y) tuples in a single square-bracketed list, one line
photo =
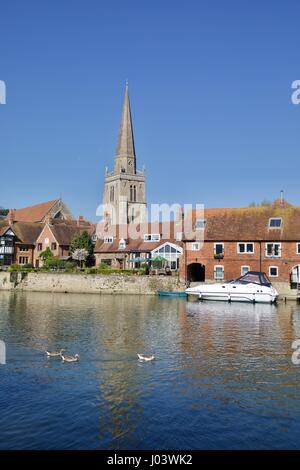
[(82, 241), (3, 213), (46, 255)]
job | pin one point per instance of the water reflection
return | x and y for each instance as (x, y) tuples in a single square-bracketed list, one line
[(223, 376)]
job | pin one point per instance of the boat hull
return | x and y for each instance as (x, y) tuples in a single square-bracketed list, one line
[(231, 293), (171, 294)]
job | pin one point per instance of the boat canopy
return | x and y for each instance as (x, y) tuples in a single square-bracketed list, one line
[(254, 277)]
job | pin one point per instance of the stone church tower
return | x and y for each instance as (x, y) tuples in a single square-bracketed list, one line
[(124, 188)]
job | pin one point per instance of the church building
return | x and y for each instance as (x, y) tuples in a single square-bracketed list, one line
[(124, 196)]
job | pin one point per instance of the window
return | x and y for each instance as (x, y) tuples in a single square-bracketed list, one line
[(151, 237), (244, 270), (219, 273), (40, 246), (219, 248), (24, 248), (112, 194), (170, 252), (273, 250), (122, 244), (245, 247), (53, 246), (23, 259), (275, 222), (108, 239), (200, 224), (132, 193), (298, 248), (273, 271), (195, 246), (107, 262)]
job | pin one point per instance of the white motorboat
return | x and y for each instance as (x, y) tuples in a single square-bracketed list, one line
[(252, 287)]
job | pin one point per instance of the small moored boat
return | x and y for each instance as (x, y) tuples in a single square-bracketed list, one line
[(171, 294), (252, 287)]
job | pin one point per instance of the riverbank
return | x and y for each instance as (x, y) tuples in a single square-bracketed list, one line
[(82, 283), (88, 283)]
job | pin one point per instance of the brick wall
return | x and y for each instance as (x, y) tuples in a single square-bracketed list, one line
[(233, 261)]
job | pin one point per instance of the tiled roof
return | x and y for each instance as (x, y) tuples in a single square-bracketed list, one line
[(4, 226), (26, 232), (34, 213), (252, 223), (135, 237)]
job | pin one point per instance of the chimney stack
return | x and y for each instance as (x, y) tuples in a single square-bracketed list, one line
[(10, 216), (282, 198)]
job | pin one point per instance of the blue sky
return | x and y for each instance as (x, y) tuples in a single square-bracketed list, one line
[(210, 87)]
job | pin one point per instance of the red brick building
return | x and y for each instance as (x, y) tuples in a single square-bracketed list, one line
[(26, 232), (237, 240)]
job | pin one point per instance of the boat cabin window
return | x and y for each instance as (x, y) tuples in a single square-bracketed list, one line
[(254, 277)]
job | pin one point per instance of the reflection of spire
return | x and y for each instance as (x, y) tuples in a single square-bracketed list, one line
[(125, 146)]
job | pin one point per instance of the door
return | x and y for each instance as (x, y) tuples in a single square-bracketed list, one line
[(295, 278)]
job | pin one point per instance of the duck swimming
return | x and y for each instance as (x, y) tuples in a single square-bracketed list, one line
[(144, 357), (70, 358), (55, 353)]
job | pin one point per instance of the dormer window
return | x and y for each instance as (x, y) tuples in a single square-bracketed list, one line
[(275, 222), (200, 224), (122, 244), (108, 239)]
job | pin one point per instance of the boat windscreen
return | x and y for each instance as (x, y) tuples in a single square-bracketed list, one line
[(255, 277)]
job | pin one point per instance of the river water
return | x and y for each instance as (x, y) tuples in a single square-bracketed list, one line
[(223, 377)]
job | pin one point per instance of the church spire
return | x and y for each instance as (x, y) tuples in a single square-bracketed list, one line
[(125, 147)]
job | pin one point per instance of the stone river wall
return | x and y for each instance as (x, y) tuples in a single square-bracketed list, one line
[(88, 283)]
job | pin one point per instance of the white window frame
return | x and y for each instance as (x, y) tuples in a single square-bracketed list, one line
[(122, 244), (298, 248), (215, 272), (215, 248), (245, 245), (151, 237), (273, 275), (108, 239), (200, 222), (245, 266), (196, 246), (272, 255), (275, 218)]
